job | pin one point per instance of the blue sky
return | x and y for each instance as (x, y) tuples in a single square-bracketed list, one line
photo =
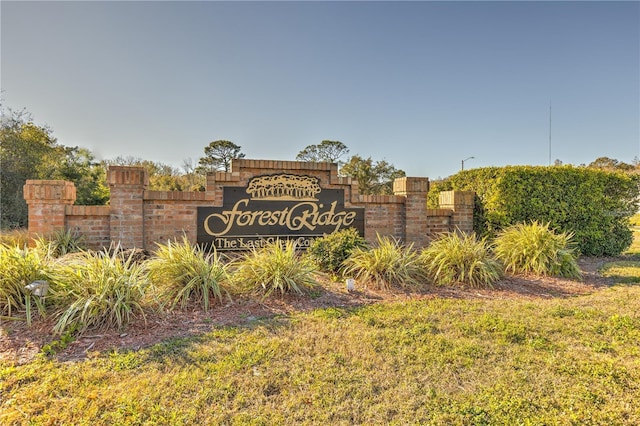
[(422, 85)]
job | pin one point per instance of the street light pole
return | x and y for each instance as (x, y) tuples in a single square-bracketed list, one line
[(470, 158)]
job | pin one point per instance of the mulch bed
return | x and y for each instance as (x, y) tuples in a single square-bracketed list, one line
[(20, 344)]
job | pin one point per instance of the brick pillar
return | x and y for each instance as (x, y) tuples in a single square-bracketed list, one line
[(462, 204), (127, 185), (47, 201), (415, 190)]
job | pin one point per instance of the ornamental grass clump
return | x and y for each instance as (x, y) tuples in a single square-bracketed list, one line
[(535, 249), (455, 258), (331, 251), (276, 267), (182, 272), (60, 243), (96, 291), (20, 267), (386, 265), (15, 238)]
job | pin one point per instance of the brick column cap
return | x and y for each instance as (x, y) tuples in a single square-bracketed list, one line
[(128, 175), (456, 199), (411, 185), (49, 192)]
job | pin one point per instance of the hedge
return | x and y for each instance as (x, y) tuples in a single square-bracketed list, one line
[(594, 205)]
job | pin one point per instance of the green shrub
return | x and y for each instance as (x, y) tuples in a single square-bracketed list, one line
[(389, 264), (594, 205), (20, 267), (455, 258), (182, 272), (275, 267), (96, 291), (535, 249), (60, 243), (331, 251)]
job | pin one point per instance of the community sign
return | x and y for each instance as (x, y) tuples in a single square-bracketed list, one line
[(279, 206)]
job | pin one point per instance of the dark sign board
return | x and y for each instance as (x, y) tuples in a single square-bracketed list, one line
[(276, 206)]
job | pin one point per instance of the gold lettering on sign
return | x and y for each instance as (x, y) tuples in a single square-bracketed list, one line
[(284, 187), (301, 216)]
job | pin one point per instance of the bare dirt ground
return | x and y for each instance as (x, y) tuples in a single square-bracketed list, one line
[(20, 344)]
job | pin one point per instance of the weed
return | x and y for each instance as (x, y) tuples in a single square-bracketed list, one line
[(55, 346)]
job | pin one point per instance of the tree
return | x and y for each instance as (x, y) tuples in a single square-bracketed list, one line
[(218, 156), (327, 151), (29, 151), (374, 177), (162, 177), (610, 164), (90, 177), (193, 181), (24, 150)]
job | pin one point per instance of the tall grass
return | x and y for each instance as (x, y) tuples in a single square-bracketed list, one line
[(275, 267), (182, 272), (18, 268), (455, 258), (60, 243), (96, 291), (535, 249), (15, 238), (386, 265)]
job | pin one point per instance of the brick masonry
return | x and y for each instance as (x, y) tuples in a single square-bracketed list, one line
[(137, 217)]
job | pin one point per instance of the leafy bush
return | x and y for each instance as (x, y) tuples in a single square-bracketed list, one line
[(96, 291), (594, 205), (535, 249), (18, 268), (455, 258), (60, 243), (182, 272), (331, 251), (386, 265), (275, 267)]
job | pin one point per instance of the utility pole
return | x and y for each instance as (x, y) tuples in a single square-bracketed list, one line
[(549, 132)]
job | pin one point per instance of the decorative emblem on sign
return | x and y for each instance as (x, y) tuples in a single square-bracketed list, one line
[(283, 206), (284, 187)]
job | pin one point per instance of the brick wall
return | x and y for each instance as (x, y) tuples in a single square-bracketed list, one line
[(47, 201), (137, 217), (93, 222), (170, 215), (461, 204)]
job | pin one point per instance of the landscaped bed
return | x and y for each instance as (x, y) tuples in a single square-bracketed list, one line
[(438, 336), (20, 343), (528, 351)]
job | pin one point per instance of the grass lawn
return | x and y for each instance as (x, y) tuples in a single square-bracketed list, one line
[(440, 361), (502, 361)]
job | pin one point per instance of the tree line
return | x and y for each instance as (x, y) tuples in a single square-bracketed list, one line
[(30, 151)]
